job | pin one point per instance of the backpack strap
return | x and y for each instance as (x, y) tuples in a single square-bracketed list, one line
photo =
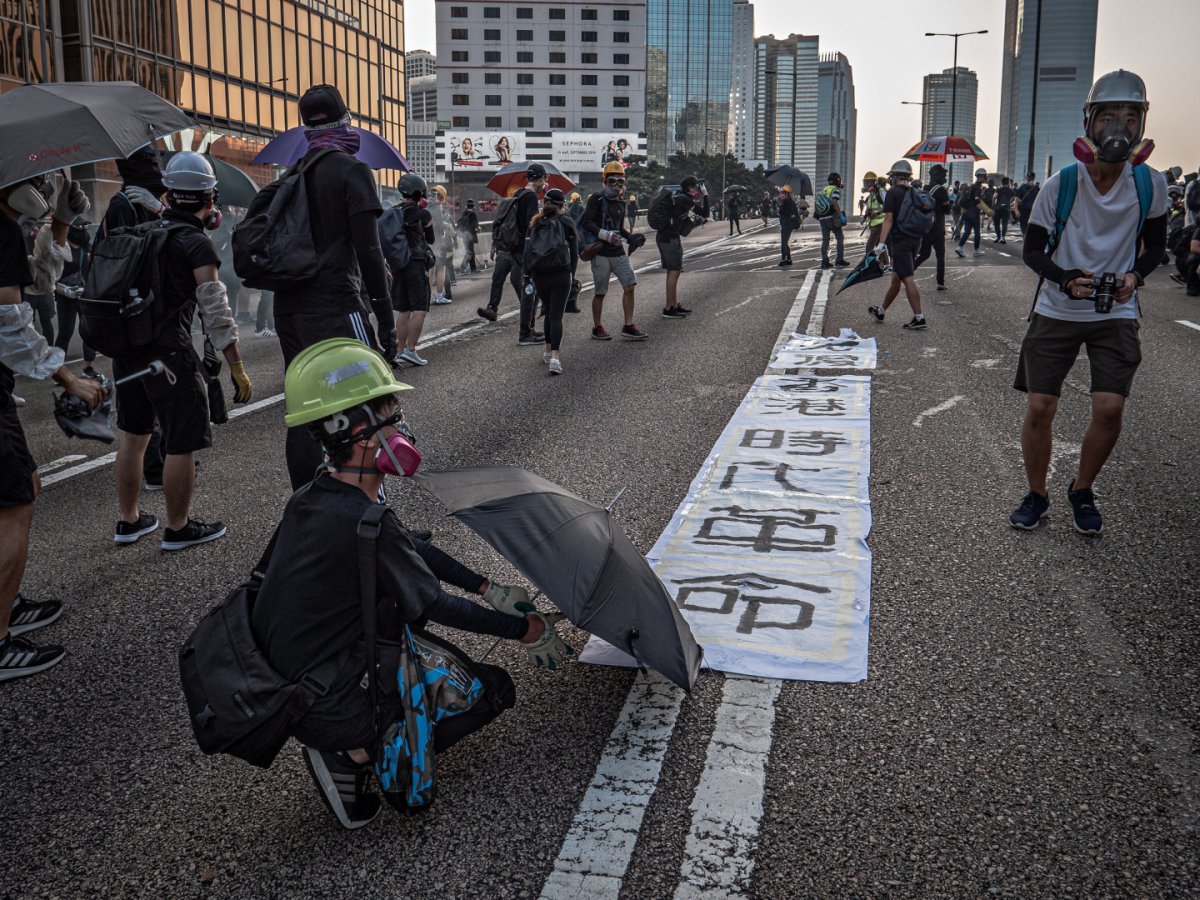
[(1143, 180), (368, 538), (1068, 186)]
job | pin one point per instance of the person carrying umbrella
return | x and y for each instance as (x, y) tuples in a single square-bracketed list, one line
[(733, 209), (903, 249), (309, 607), (789, 221)]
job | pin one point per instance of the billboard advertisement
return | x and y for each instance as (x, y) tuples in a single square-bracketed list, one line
[(482, 151), (589, 152)]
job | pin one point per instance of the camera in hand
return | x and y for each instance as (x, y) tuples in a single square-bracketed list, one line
[(1104, 287)]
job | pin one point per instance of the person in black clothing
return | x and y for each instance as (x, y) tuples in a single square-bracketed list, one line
[(79, 239), (179, 403), (789, 221), (689, 207), (553, 281), (631, 211), (971, 199), (603, 220), (468, 227), (309, 607), (934, 241), (902, 250), (1002, 210), (343, 209), (733, 209), (508, 263), (410, 286)]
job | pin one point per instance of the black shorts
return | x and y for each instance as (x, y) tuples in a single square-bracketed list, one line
[(1052, 345), (904, 255), (16, 462), (670, 252), (181, 409), (299, 330), (410, 288)]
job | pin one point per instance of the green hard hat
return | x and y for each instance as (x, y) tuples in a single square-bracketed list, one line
[(334, 375)]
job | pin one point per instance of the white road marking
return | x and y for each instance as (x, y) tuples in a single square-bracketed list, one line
[(985, 363), (1188, 324), (728, 806), (928, 352), (98, 463), (940, 408), (60, 462), (735, 306), (816, 322)]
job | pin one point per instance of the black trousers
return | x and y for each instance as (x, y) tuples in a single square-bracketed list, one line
[(785, 235), (1000, 222), (67, 311), (735, 219), (43, 308), (553, 288), (935, 243), (507, 266)]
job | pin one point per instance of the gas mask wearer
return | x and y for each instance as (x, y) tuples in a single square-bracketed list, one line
[(1115, 134)]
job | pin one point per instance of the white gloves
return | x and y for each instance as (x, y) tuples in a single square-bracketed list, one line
[(70, 203), (549, 650), (612, 237), (509, 598), (143, 198)]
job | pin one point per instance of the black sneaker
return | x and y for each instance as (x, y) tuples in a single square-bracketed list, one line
[(1083, 507), (572, 307), (826, 265), (876, 312), (1031, 513), (532, 339), (343, 786), (152, 483), (917, 324), (129, 532), (785, 262), (841, 263), (486, 312), (941, 287), (29, 616), (1177, 278), (683, 309), (673, 313), (20, 657), (191, 534), (633, 333)]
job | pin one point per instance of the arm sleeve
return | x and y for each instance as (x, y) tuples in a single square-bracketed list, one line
[(212, 298), (456, 612), (22, 349), (1154, 245), (1035, 256), (364, 233)]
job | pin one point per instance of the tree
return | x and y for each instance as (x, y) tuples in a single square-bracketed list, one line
[(645, 180)]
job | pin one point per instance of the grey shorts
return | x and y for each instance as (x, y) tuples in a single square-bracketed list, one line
[(1052, 345), (604, 267), (670, 251)]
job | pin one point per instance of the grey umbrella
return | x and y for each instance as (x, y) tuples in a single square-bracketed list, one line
[(55, 126), (578, 557), (785, 175)]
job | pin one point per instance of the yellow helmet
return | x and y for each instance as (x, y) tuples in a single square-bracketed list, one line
[(871, 177), (575, 196), (440, 191), (633, 196), (614, 168), (787, 188)]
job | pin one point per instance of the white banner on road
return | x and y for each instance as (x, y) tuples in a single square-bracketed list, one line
[(846, 351)]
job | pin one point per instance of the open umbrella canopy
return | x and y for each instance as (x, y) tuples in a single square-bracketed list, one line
[(871, 267), (513, 175), (235, 187), (578, 557), (375, 151), (55, 126), (789, 175), (946, 148), (735, 187)]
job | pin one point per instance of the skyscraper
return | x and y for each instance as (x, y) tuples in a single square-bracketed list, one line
[(785, 127), (837, 118), (1058, 41), (741, 94), (419, 64), (950, 109), (689, 65)]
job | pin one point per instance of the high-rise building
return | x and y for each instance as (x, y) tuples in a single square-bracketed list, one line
[(689, 64), (950, 107), (422, 98), (419, 64), (1057, 41), (741, 92), (544, 65), (786, 100), (837, 118)]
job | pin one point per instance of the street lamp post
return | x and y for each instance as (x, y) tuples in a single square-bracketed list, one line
[(724, 155), (954, 82), (925, 132)]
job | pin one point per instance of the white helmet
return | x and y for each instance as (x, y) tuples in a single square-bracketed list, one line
[(189, 173), (901, 167), (981, 171)]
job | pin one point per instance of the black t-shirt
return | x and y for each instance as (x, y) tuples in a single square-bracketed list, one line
[(891, 204), (1004, 197), (188, 248), (339, 187), (1027, 194), (14, 272), (418, 224), (941, 206), (970, 196)]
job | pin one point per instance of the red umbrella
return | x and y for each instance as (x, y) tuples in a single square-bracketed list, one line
[(513, 176), (947, 148)]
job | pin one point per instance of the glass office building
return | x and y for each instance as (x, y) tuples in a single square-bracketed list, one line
[(689, 68)]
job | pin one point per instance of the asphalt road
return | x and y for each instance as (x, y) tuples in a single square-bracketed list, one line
[(1029, 726)]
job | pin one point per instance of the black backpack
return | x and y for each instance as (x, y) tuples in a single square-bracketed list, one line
[(237, 703), (916, 215), (658, 216), (123, 309), (273, 247), (506, 230), (547, 250), (393, 239)]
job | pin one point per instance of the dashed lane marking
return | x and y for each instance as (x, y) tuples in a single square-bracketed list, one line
[(1188, 324), (46, 468), (940, 408), (816, 322)]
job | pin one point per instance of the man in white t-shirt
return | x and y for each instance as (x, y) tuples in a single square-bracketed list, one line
[(1104, 233)]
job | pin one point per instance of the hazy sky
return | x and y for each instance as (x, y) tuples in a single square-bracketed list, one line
[(1148, 36)]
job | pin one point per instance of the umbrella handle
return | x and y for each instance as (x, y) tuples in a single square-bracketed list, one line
[(536, 594), (632, 637)]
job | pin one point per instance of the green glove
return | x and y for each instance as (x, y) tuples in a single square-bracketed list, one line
[(549, 650), (509, 598)]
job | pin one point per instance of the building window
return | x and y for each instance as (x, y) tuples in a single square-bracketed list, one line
[(460, 77), (620, 15), (620, 123), (620, 59), (491, 34), (524, 12), (492, 100), (461, 100), (588, 101), (589, 59), (621, 102), (558, 78), (620, 81), (589, 80), (491, 56), (493, 122), (524, 100), (558, 13), (559, 36), (524, 34), (620, 37), (588, 123), (458, 12), (558, 123), (524, 78), (558, 57), (491, 78), (524, 121), (459, 34), (491, 12), (588, 37), (589, 15), (558, 101), (524, 56), (461, 121), (460, 56)]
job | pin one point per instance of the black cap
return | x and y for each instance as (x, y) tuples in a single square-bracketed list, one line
[(322, 106), (554, 195), (835, 178), (535, 171), (937, 169), (689, 182)]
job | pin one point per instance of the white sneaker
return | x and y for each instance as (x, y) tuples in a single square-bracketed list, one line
[(546, 357), (555, 366), (441, 300), (980, 252), (17, 401), (410, 356)]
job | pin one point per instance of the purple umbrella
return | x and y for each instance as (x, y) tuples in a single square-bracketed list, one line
[(376, 152)]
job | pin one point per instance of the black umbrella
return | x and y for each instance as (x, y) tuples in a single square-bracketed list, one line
[(869, 269), (54, 126), (735, 187), (578, 557), (785, 175), (235, 187)]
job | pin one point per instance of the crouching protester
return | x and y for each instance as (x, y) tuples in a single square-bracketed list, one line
[(310, 606)]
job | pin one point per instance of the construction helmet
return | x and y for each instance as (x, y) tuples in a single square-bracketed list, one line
[(189, 173), (869, 181), (1115, 144), (787, 188), (614, 168), (901, 167), (334, 376), (412, 186), (440, 191), (575, 196), (981, 171), (633, 196)]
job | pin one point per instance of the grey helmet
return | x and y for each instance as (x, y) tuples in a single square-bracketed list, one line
[(1117, 87), (981, 171), (189, 173), (412, 186), (1116, 144), (901, 167)]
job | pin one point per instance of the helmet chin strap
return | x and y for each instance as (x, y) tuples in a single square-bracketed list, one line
[(367, 434)]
